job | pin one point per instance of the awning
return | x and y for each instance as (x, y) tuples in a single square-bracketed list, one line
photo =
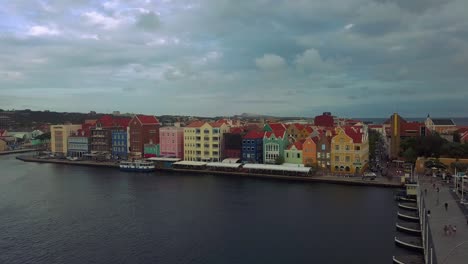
[(163, 159), (223, 165), (231, 160), (276, 167), (190, 163)]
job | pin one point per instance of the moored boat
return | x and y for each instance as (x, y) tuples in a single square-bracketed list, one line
[(137, 166)]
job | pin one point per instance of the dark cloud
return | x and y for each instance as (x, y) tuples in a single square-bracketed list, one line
[(297, 57)]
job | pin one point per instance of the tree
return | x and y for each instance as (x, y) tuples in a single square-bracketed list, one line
[(44, 136), (456, 137), (410, 155), (279, 160)]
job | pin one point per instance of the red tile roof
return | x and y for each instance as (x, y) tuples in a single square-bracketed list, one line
[(196, 124), (236, 130), (277, 133), (148, 120), (217, 124), (254, 135), (375, 126), (354, 133), (277, 126)]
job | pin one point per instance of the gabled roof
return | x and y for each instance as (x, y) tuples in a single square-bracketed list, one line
[(216, 124), (443, 122), (254, 135), (297, 145), (277, 126), (196, 124), (147, 120), (354, 133), (276, 133), (297, 126), (236, 130)]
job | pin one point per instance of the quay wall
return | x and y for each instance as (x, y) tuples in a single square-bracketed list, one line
[(323, 179)]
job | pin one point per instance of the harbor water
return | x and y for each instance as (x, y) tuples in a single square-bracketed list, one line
[(53, 213)]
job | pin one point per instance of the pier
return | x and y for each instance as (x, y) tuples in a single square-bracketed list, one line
[(442, 248)]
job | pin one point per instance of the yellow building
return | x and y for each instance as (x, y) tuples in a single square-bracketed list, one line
[(3, 145), (203, 141), (59, 137), (349, 150)]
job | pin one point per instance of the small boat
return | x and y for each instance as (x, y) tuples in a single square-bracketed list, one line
[(137, 166)]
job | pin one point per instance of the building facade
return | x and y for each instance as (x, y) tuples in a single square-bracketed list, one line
[(203, 141), (293, 154), (78, 146), (59, 138), (232, 145), (324, 152), (252, 147), (309, 152), (101, 140), (274, 144), (442, 126), (143, 130), (324, 120), (349, 150), (171, 141), (120, 142), (151, 150)]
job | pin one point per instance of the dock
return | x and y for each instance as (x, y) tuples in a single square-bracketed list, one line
[(358, 181)]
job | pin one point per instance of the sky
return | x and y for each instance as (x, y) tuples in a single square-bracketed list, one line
[(354, 58)]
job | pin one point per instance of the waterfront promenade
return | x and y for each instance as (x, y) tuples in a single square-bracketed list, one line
[(378, 182), (453, 248)]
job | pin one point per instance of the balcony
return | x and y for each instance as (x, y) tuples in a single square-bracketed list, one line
[(206, 146), (206, 138)]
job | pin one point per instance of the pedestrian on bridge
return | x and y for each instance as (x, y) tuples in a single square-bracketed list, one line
[(446, 206)]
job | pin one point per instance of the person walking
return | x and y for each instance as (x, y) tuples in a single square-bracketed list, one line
[(450, 228), (425, 192), (446, 230), (446, 206), (454, 229)]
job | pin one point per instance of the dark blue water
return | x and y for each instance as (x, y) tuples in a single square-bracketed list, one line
[(60, 214)]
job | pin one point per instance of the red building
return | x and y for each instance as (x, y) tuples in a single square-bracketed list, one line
[(326, 120), (232, 144), (143, 130)]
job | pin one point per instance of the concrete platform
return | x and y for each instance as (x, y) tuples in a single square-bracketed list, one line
[(451, 249)]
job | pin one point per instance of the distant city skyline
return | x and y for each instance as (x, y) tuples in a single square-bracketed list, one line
[(356, 58)]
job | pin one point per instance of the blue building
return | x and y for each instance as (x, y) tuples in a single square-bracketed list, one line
[(252, 147), (119, 144)]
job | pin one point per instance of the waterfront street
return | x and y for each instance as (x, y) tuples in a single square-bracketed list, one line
[(449, 249)]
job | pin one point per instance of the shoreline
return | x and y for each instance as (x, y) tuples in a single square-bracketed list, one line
[(17, 151), (379, 182)]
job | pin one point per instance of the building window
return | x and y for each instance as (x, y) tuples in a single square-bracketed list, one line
[(323, 146), (347, 159), (337, 158), (298, 155), (347, 147), (318, 155), (337, 147)]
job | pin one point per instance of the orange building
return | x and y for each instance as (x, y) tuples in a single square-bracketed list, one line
[(309, 152)]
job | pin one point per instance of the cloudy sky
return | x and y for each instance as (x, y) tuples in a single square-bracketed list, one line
[(361, 58)]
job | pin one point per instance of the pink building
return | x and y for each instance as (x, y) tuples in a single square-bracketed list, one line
[(171, 140)]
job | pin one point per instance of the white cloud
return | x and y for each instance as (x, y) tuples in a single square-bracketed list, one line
[(98, 19), (349, 26), (42, 31), (162, 41), (309, 59), (10, 75), (89, 36), (270, 62), (111, 4)]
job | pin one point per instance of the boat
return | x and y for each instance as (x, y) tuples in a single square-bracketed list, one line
[(137, 166)]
